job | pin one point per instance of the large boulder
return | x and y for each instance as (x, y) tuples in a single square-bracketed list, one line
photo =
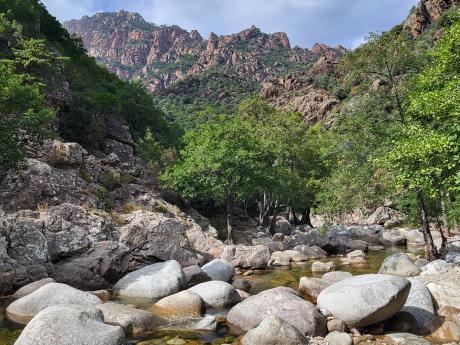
[(419, 303), (312, 252), (399, 264), (247, 256), (51, 294), (279, 302), (133, 321), (394, 237), (280, 259), (217, 294), (219, 269), (154, 281), (157, 235), (446, 293), (283, 226), (436, 267), (64, 154), (184, 303), (366, 299), (29, 288), (310, 288), (274, 330), (70, 325), (381, 215)]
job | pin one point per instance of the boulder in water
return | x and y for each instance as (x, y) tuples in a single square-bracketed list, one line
[(274, 330), (366, 299)]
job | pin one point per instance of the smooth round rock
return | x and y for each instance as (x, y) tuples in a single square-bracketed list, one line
[(399, 264), (70, 325), (154, 281), (217, 294), (242, 284), (366, 299), (419, 303), (319, 266), (281, 302), (219, 269), (52, 294), (133, 321), (29, 288), (274, 330), (310, 288), (445, 293), (184, 303), (338, 338)]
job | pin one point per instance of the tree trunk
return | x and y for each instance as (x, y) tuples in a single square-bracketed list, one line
[(444, 215), (306, 217), (272, 227), (264, 209), (229, 221), (431, 250)]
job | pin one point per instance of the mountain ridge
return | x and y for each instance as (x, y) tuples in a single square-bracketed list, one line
[(161, 55)]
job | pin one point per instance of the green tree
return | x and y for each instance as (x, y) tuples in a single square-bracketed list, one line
[(223, 161), (425, 158), (24, 117)]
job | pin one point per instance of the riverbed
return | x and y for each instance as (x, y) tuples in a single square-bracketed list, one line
[(176, 333)]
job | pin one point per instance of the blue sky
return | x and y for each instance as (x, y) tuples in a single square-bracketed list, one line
[(306, 22)]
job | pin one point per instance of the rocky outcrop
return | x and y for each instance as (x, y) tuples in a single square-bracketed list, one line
[(425, 14), (62, 229), (163, 55), (297, 92)]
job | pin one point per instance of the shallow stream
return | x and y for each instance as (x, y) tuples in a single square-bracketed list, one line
[(176, 333)]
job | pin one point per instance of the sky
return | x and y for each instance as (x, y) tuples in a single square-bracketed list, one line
[(334, 22)]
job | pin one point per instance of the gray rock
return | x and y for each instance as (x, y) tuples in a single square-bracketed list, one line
[(394, 237), (310, 288), (366, 299), (280, 259), (70, 325), (312, 252), (184, 303), (133, 321), (64, 154), (419, 303), (336, 325), (219, 269), (399, 264), (283, 226), (51, 294), (319, 266), (453, 258), (274, 330), (381, 215), (29, 288), (338, 338), (217, 294), (194, 275), (154, 281), (280, 302), (436, 267), (247, 256), (242, 284), (358, 245), (446, 293)]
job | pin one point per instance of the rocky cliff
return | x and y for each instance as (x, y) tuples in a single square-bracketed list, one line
[(162, 55)]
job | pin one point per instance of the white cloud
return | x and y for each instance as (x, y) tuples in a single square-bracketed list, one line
[(305, 21)]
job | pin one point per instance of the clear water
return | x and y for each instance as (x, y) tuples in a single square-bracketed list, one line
[(176, 333)]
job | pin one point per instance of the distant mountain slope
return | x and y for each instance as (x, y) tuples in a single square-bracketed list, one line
[(162, 55)]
